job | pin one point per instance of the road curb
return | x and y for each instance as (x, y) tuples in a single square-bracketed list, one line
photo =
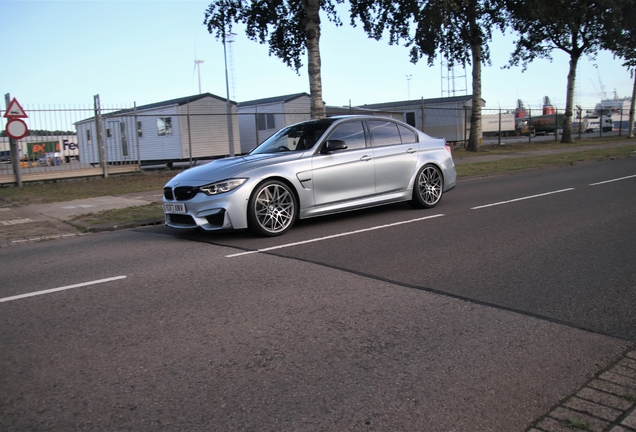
[(94, 228)]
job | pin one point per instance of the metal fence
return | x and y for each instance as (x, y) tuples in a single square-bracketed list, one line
[(51, 150), (99, 140)]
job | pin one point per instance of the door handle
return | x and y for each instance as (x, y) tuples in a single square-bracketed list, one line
[(411, 150), (365, 158)]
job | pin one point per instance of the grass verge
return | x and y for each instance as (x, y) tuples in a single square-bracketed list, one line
[(72, 189), (120, 217), (529, 162)]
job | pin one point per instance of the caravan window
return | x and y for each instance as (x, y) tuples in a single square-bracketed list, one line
[(266, 121), (164, 126), (410, 118)]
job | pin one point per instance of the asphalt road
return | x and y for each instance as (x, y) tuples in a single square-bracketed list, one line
[(556, 244), (478, 315)]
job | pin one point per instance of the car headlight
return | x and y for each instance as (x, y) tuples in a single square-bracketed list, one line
[(222, 186)]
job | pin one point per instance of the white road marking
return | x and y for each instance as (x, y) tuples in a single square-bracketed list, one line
[(613, 180), (52, 290), (521, 199), (333, 236)]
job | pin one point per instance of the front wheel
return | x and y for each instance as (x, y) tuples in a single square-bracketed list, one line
[(272, 209), (428, 187)]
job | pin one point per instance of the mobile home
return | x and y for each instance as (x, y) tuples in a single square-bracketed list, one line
[(448, 118), (184, 129)]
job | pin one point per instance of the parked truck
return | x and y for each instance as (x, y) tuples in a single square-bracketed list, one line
[(593, 123), (506, 124), (35, 147), (519, 122)]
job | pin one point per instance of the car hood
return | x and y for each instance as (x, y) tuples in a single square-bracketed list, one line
[(221, 169)]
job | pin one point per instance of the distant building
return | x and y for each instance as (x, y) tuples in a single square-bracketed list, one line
[(448, 118), (261, 118), (193, 127)]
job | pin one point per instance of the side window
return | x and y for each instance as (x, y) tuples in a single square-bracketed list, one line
[(384, 133), (408, 136), (351, 133)]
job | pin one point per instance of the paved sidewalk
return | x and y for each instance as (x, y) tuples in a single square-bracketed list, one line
[(43, 222), (605, 404)]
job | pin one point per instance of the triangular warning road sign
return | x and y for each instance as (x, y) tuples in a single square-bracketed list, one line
[(15, 110)]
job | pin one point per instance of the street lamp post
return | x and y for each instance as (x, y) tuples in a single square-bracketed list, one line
[(228, 107)]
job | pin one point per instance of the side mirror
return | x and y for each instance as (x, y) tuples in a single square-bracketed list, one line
[(333, 145)]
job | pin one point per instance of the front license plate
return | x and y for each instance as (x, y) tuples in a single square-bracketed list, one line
[(174, 208)]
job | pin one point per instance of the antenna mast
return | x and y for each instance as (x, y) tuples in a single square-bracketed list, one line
[(451, 80)]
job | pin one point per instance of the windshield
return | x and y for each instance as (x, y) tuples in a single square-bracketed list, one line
[(298, 137)]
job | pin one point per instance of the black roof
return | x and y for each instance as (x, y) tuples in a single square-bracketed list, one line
[(182, 101), (284, 98), (418, 102), (178, 101)]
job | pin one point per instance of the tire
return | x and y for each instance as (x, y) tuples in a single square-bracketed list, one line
[(428, 187), (272, 209)]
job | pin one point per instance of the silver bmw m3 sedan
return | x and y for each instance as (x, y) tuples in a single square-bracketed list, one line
[(312, 168)]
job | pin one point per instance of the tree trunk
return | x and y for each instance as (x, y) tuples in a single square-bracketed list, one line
[(630, 130), (566, 138), (312, 30), (474, 139)]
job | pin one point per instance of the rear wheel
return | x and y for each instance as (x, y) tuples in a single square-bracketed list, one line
[(428, 187), (272, 209)]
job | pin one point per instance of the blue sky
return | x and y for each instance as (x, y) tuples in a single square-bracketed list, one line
[(64, 52)]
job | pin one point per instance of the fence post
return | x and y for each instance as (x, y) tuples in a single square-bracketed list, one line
[(465, 145), (14, 150), (136, 129), (499, 132), (256, 124), (530, 125), (556, 124), (189, 134), (100, 135)]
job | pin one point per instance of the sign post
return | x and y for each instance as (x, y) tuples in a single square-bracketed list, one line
[(16, 129)]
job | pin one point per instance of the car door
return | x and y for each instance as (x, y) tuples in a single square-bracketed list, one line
[(344, 174), (395, 150)]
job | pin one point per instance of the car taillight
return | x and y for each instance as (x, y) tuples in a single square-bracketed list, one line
[(448, 148)]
